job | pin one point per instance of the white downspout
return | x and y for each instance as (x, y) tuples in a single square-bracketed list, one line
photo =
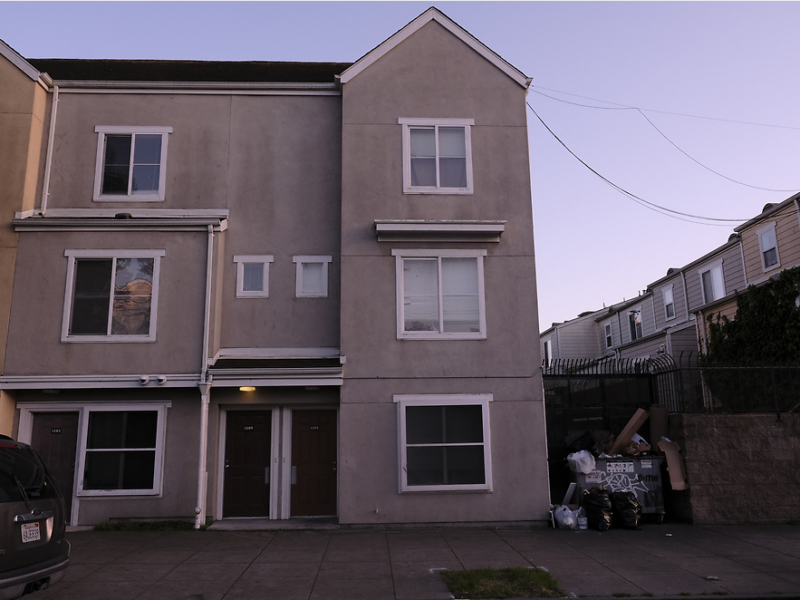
[(49, 160), (205, 392)]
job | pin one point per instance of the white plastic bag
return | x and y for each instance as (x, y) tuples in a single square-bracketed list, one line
[(581, 462), (565, 518)]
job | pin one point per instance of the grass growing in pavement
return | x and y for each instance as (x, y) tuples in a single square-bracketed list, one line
[(514, 582), (145, 526)]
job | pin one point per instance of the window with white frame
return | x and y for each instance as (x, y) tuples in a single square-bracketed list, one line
[(768, 243), (440, 294), (312, 276), (121, 449), (608, 337), (669, 303), (444, 442), (713, 283), (437, 156), (252, 276), (131, 163), (547, 357), (111, 295), (635, 323)]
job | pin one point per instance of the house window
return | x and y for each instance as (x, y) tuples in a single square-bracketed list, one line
[(444, 442), (312, 276), (131, 163), (713, 283), (437, 156), (608, 337), (669, 303), (440, 294), (547, 357), (635, 322), (121, 450), (111, 295), (252, 276), (768, 243)]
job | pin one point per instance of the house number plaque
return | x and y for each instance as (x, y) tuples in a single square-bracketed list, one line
[(314, 428), (55, 430), (248, 428)]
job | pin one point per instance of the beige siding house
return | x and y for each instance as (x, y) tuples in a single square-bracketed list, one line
[(280, 290)]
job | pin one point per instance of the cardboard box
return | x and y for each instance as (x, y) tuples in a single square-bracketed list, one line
[(637, 420), (675, 467)]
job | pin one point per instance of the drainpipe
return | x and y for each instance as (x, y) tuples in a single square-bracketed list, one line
[(49, 160), (205, 392), (685, 294)]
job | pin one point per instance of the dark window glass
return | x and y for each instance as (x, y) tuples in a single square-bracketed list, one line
[(119, 470), (91, 299), (122, 429), (23, 475), (117, 164)]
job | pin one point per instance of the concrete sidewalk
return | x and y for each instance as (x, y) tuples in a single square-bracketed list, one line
[(669, 560)]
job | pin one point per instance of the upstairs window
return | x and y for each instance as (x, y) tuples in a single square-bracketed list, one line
[(111, 295), (437, 156), (608, 337), (547, 357), (131, 163), (252, 276), (669, 303), (768, 243), (312, 276), (440, 294), (713, 283), (635, 323)]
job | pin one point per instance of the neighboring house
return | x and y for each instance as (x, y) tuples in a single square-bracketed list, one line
[(23, 92), (279, 290), (771, 241)]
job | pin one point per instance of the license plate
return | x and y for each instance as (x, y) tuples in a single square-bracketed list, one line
[(30, 532)]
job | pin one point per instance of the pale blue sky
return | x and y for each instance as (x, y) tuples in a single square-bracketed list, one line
[(731, 65)]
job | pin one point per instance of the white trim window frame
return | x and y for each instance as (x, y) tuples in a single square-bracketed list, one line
[(311, 279), (712, 282), (131, 164), (547, 353), (669, 302), (437, 455), (768, 247), (608, 336), (635, 323), (125, 303), (252, 275), (444, 306), (122, 448), (437, 156)]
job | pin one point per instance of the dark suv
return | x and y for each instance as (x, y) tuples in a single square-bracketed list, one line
[(33, 550)]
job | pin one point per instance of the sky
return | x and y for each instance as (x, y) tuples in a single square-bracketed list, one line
[(688, 106)]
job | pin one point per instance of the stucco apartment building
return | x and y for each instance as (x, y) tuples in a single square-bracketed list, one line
[(281, 290)]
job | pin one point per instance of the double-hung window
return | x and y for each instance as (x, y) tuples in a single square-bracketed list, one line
[(252, 276), (111, 295), (440, 294), (713, 283), (768, 244), (635, 323), (669, 303), (122, 449), (608, 337), (547, 353), (437, 156), (312, 276), (131, 163), (444, 442)]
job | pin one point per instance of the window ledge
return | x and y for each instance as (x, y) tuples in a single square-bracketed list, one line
[(439, 231)]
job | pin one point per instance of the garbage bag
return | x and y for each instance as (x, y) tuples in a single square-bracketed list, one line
[(599, 511), (566, 518), (627, 509), (581, 462)]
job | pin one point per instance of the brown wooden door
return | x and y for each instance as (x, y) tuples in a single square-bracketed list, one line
[(313, 463), (55, 438), (247, 459)]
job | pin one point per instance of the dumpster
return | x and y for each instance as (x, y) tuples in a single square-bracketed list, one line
[(638, 474)]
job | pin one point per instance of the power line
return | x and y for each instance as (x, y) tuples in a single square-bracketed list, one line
[(682, 216), (678, 148)]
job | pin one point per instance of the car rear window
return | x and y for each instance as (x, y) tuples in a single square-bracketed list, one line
[(22, 475)]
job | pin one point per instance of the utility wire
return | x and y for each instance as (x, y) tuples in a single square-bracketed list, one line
[(682, 216), (678, 148)]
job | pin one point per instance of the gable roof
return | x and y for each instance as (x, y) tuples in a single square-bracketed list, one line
[(434, 14), (16, 59)]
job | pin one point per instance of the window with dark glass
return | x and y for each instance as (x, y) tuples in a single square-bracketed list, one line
[(120, 450)]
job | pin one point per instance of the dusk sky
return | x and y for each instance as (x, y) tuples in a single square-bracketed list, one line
[(717, 133)]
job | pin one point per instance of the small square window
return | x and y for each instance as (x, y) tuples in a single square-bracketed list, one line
[(131, 163), (444, 442), (437, 156), (112, 295), (312, 276), (252, 276)]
